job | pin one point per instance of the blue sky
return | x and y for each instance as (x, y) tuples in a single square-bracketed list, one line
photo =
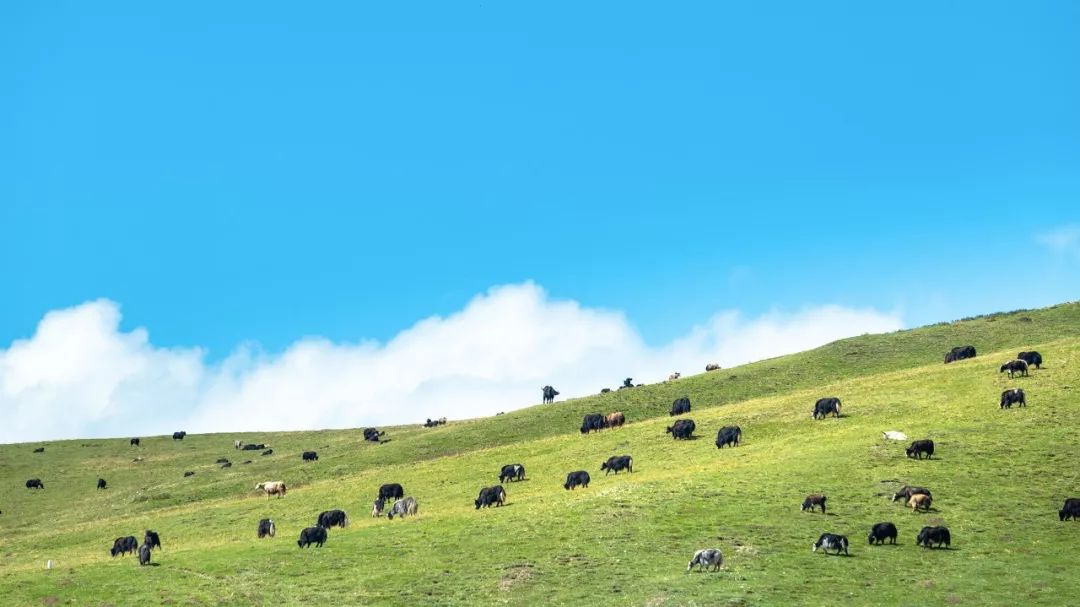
[(268, 171)]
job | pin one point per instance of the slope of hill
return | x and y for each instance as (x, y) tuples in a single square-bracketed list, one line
[(998, 479)]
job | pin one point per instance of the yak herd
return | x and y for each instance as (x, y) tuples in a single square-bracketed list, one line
[(920, 498), (916, 498), (125, 544)]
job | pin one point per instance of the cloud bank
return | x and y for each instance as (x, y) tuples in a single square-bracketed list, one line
[(79, 375)]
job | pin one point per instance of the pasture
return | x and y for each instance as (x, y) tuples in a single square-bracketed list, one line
[(998, 479)]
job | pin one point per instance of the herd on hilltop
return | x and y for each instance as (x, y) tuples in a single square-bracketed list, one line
[(918, 499)]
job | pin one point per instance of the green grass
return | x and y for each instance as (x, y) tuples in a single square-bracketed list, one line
[(998, 479)]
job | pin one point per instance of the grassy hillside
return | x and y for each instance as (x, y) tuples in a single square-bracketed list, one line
[(998, 479)]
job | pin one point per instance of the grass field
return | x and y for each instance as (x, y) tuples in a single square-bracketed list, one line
[(998, 478)]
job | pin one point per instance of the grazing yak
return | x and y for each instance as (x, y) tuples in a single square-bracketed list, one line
[(100, 483), (920, 500), (712, 367), (579, 479), (310, 456), (266, 528), (1013, 396), (333, 518), (39, 450), (179, 435), (679, 407), (549, 394), (728, 436), (683, 429), (512, 472), (1071, 509), (135, 442), (267, 452), (403, 507), (491, 495), (831, 541), (144, 555), (705, 559), (312, 535), (221, 460), (907, 491), (614, 420), (811, 501), (959, 353), (592, 422), (377, 508), (189, 473), (605, 390), (1032, 358), (617, 463), (372, 435), (151, 539), (247, 461), (390, 491), (277, 488), (674, 376), (124, 545), (1015, 366), (253, 447), (921, 447), (827, 406), (881, 532), (35, 483), (227, 465), (933, 535)]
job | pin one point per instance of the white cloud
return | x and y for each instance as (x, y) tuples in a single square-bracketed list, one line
[(1064, 240), (80, 376)]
